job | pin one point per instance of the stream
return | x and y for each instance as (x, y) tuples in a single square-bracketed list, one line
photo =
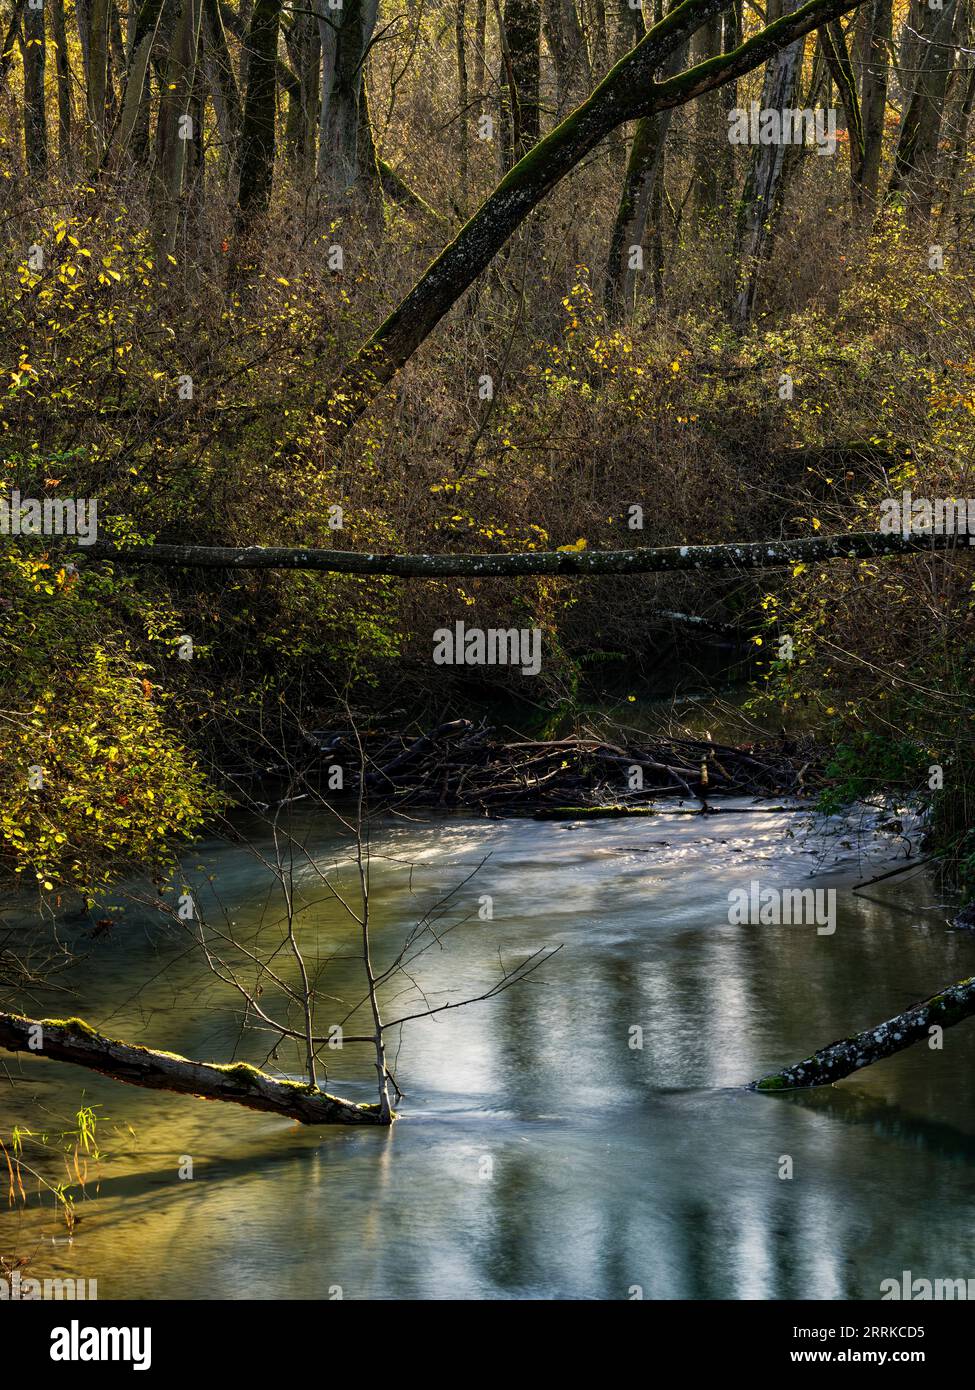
[(540, 1153)]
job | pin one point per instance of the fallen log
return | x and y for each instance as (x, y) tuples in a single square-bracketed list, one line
[(840, 1059), (745, 555), (72, 1040)]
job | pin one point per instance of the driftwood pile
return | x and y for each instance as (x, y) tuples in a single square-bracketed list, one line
[(462, 765)]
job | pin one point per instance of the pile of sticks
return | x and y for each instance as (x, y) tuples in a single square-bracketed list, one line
[(465, 765)]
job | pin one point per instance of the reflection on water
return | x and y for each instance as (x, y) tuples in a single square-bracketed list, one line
[(539, 1154)]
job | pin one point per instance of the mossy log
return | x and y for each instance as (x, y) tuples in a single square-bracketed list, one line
[(840, 1059), (72, 1040), (744, 555)]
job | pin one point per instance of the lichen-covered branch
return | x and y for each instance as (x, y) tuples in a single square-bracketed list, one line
[(840, 1059), (746, 555), (72, 1040)]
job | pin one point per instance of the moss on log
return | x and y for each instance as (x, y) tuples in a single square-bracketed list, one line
[(842, 1058), (73, 1040)]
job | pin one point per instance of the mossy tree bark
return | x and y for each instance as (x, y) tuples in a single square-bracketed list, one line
[(72, 1040), (628, 92), (843, 1058)]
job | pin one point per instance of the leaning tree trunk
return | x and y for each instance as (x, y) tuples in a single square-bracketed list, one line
[(257, 131), (9, 41), (759, 197), (71, 1040), (840, 64), (35, 107), (628, 92), (915, 171), (134, 89), (840, 1059)]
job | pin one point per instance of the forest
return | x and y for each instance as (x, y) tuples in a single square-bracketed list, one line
[(484, 488)]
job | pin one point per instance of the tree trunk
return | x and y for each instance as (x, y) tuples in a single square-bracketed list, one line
[(134, 88), (712, 149), (626, 93), (743, 555), (522, 28), (222, 81), (35, 107), (840, 65), (759, 199), (10, 39), (877, 16), (345, 43), (567, 45), (93, 22), (176, 133), (63, 67), (840, 1059), (915, 169), (71, 1040), (257, 130), (460, 38)]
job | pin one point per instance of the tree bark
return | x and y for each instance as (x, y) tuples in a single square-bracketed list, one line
[(873, 90), (916, 159), (628, 252), (345, 41), (72, 1040), (626, 93), (840, 65), (257, 130), (134, 88), (744, 555), (174, 112), (63, 68), (712, 148), (519, 106), (223, 84), (840, 1059), (93, 23), (35, 106), (760, 196)]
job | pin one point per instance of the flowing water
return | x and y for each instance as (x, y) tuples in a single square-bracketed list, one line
[(540, 1152)]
